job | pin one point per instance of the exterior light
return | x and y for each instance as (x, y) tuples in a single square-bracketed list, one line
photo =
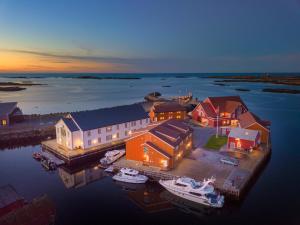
[(94, 141), (114, 136), (130, 132)]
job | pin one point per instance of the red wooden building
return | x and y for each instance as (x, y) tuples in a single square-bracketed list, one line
[(244, 139), (225, 110), (160, 145), (167, 110)]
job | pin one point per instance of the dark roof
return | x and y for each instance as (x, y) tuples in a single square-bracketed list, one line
[(8, 195), (226, 103), (208, 109), (158, 149), (93, 119), (70, 124), (248, 118), (171, 131), (168, 107), (7, 107)]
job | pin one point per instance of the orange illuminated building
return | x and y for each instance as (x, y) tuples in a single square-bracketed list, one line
[(167, 110), (160, 145)]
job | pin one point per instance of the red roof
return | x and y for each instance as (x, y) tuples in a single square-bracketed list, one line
[(225, 103), (248, 118), (208, 109)]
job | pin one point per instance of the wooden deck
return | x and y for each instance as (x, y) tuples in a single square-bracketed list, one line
[(79, 155), (231, 181)]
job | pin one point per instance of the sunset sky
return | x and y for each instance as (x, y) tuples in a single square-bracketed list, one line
[(150, 36)]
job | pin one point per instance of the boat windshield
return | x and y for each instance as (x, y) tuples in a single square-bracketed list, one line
[(194, 184)]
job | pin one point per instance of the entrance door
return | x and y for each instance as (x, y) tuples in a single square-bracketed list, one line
[(232, 145)]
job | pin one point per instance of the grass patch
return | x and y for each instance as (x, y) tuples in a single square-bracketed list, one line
[(216, 143)]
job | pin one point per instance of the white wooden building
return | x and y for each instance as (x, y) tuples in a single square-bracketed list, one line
[(87, 129)]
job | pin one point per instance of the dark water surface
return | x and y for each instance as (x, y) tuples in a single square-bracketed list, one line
[(94, 198)]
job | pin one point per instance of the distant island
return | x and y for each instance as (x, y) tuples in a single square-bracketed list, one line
[(278, 79), (16, 86), (11, 89), (281, 90), (107, 78)]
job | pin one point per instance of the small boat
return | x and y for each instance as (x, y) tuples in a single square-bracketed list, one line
[(109, 169), (38, 156), (130, 176), (196, 191), (48, 164), (111, 156)]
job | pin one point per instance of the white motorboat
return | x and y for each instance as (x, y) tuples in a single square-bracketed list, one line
[(130, 176), (112, 156), (196, 191)]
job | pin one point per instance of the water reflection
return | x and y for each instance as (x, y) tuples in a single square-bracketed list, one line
[(76, 177)]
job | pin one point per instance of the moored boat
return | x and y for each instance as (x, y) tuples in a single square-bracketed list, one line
[(48, 164), (111, 156), (196, 191), (130, 176), (38, 156)]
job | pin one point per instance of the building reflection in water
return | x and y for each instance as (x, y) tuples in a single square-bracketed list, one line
[(15, 210), (76, 177)]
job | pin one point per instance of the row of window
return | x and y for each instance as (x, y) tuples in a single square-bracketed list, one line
[(170, 117), (109, 128), (109, 137)]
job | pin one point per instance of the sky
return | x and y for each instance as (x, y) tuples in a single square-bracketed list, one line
[(150, 36)]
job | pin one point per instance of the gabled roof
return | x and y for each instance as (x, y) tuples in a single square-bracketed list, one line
[(7, 107), (158, 149), (248, 118), (170, 133), (244, 134), (208, 109), (70, 124), (168, 107), (93, 119), (226, 103)]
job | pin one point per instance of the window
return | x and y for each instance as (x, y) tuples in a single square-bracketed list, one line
[(108, 129), (162, 118), (4, 122), (99, 130), (126, 125), (141, 122), (115, 136), (133, 123), (117, 126), (89, 133), (89, 142), (99, 140), (108, 137), (178, 117), (126, 132)]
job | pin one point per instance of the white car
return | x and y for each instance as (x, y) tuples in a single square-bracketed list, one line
[(230, 161)]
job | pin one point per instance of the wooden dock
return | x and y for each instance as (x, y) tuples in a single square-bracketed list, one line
[(230, 181), (79, 156)]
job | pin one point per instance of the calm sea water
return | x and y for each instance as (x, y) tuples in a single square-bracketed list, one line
[(273, 199)]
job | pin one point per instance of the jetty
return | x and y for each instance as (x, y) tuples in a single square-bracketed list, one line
[(230, 180), (78, 156)]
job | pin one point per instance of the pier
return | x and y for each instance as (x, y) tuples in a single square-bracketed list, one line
[(230, 180), (78, 156)]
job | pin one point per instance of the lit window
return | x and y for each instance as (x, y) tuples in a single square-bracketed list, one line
[(115, 136), (108, 137), (4, 122), (108, 129)]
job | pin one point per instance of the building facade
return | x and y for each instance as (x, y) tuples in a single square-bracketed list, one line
[(167, 110), (89, 129), (10, 112), (243, 139), (162, 145), (221, 111)]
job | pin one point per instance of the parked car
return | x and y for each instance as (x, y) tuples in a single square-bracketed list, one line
[(230, 161)]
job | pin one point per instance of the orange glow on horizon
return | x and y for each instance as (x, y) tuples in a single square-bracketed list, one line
[(22, 62)]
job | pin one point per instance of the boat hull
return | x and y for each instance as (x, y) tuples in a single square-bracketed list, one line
[(128, 180), (190, 197)]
